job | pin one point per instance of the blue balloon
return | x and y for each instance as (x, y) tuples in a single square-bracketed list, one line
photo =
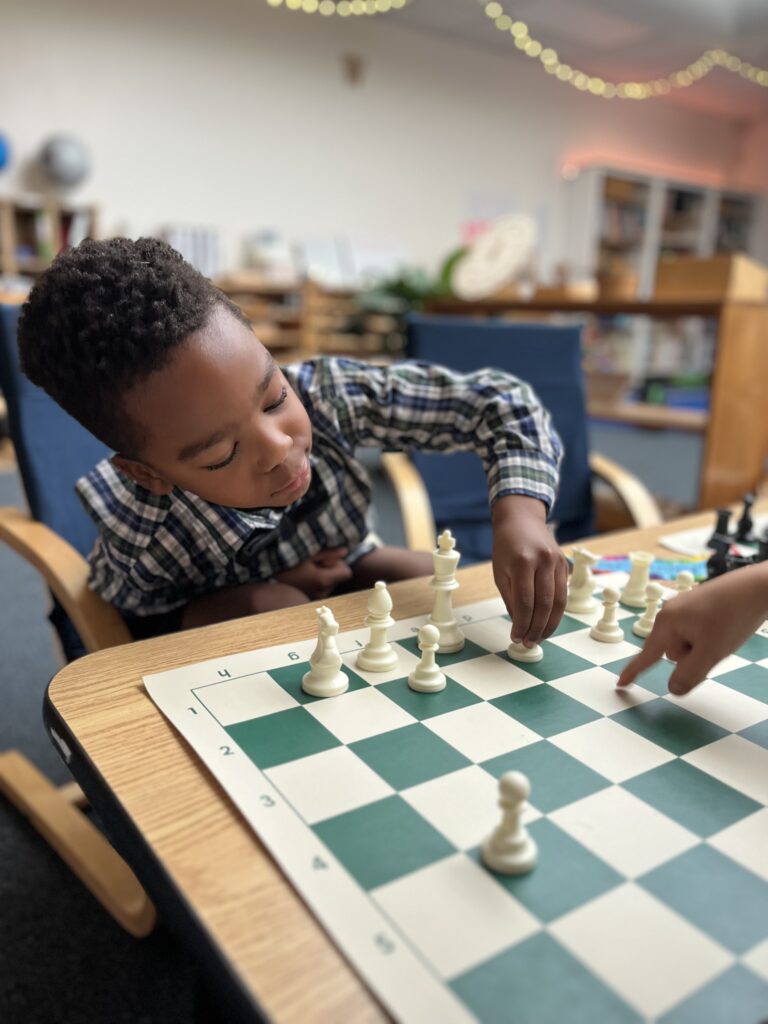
[(5, 152)]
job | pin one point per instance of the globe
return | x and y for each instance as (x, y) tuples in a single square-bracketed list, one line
[(65, 160)]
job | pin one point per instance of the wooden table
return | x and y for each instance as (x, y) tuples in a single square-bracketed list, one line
[(202, 864)]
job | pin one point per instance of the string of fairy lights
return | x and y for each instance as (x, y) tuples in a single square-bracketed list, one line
[(520, 36)]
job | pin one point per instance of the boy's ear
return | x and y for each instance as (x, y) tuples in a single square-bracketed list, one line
[(143, 475)]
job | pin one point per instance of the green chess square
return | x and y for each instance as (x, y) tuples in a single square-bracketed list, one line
[(410, 755), (427, 705), (557, 662), (557, 778), (669, 726), (751, 680), (469, 650), (383, 841), (566, 876), (692, 798), (538, 981), (656, 679), (626, 628), (290, 678), (757, 734), (755, 649), (736, 997), (568, 625), (281, 737), (545, 710), (718, 895)]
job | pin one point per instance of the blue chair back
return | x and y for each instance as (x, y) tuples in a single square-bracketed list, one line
[(546, 356), (53, 451)]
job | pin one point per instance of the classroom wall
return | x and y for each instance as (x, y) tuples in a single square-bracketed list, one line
[(238, 116)]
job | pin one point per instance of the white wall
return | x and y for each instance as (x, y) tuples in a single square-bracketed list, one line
[(238, 116)]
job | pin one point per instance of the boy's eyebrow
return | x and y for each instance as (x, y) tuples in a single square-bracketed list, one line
[(190, 451)]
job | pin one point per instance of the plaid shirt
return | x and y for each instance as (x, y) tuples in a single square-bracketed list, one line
[(154, 554)]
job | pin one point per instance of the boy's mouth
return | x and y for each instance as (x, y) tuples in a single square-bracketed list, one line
[(296, 483)]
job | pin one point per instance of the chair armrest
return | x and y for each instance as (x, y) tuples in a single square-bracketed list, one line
[(634, 495), (412, 497), (66, 573)]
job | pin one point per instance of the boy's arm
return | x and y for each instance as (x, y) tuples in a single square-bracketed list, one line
[(702, 627), (419, 405)]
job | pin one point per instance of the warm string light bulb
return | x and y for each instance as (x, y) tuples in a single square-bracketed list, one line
[(597, 86), (344, 8)]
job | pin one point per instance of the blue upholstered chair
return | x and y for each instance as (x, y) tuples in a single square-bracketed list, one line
[(453, 491), (52, 451)]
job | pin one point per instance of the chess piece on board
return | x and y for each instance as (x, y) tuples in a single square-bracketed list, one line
[(745, 524), (582, 583), (509, 849), (684, 581), (426, 677), (607, 630), (644, 624), (718, 560), (633, 593), (378, 655), (445, 559), (519, 652), (325, 678), (721, 526)]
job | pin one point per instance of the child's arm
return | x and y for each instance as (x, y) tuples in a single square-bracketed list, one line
[(700, 628)]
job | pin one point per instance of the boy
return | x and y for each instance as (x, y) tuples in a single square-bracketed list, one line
[(234, 488)]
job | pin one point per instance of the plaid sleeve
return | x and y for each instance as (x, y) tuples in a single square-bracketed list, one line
[(428, 407)]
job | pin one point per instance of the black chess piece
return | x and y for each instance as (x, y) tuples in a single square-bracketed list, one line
[(745, 524), (721, 527), (718, 562), (762, 548)]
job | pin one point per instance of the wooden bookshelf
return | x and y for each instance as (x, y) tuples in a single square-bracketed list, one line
[(33, 230), (735, 427)]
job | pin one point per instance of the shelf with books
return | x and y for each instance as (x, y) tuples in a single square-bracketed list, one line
[(33, 230)]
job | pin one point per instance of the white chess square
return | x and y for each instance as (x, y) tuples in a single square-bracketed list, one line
[(757, 959), (729, 664), (610, 749), (463, 805), (481, 731), (722, 705), (596, 687), (622, 830), (406, 662), (323, 785), (492, 635), (579, 642), (455, 913), (358, 714), (490, 676), (238, 700), (746, 842), (736, 762), (632, 941)]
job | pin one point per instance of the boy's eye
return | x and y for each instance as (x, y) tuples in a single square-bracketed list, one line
[(279, 402), (226, 462)]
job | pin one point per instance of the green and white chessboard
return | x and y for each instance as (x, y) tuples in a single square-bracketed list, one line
[(650, 897)]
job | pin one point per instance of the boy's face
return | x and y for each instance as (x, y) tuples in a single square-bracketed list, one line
[(220, 420)]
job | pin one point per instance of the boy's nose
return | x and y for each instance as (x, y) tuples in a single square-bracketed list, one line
[(272, 452)]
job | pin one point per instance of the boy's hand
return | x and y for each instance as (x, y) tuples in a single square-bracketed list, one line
[(700, 628), (529, 569), (320, 574)]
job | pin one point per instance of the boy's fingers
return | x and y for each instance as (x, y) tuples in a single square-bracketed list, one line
[(690, 671), (543, 603), (561, 596), (652, 652), (521, 599)]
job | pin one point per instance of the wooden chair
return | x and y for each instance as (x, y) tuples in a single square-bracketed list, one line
[(436, 491), (52, 451)]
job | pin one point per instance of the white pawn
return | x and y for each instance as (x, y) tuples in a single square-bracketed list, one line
[(684, 581), (378, 655), (644, 624), (607, 629), (519, 652), (582, 583), (325, 678), (509, 849), (633, 593), (445, 560), (426, 677)]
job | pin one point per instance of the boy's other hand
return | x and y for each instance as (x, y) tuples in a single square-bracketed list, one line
[(320, 574), (529, 569), (703, 626)]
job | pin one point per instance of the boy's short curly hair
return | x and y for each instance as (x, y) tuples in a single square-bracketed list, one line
[(103, 317)]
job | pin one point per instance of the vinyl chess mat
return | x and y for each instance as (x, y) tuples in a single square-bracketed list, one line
[(650, 897)]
